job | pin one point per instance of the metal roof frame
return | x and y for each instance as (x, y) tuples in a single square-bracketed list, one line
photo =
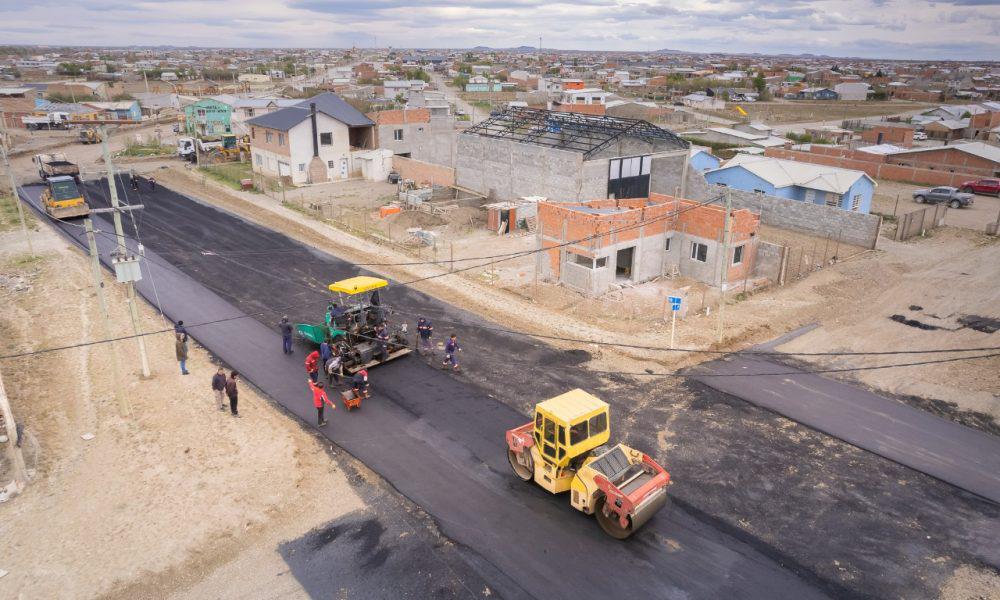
[(576, 132)]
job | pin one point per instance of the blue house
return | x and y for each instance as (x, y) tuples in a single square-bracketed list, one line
[(125, 110), (818, 184), (701, 159)]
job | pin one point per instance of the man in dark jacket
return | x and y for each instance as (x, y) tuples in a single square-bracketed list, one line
[(233, 392), (286, 335), (219, 387), (451, 350), (425, 329), (179, 329)]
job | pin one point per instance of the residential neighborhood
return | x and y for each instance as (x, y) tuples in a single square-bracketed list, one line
[(454, 300)]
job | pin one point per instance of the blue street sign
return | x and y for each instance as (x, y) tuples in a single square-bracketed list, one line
[(675, 302)]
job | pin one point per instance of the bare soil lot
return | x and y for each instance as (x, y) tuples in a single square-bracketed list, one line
[(788, 111), (984, 210)]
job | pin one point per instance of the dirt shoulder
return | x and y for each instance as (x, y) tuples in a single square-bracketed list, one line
[(177, 483)]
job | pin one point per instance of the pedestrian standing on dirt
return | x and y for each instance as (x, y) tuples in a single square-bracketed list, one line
[(233, 393), (219, 387), (179, 329), (451, 350), (181, 349), (152, 183), (425, 329), (320, 399), (312, 365), (286, 335), (334, 365)]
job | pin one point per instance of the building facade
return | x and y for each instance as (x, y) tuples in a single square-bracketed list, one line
[(208, 117)]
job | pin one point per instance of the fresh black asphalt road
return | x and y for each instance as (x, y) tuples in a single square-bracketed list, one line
[(438, 439), (962, 456)]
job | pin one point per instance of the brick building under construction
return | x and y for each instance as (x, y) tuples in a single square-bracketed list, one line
[(635, 240)]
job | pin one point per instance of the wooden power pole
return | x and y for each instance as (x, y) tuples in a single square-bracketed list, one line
[(20, 470), (724, 279), (127, 268)]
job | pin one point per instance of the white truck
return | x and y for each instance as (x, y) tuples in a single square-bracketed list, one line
[(186, 145), (54, 120)]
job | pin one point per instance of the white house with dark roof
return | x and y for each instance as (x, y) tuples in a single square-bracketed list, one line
[(317, 140)]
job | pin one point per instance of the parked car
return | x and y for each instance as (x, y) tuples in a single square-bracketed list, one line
[(949, 195), (919, 136), (982, 186)]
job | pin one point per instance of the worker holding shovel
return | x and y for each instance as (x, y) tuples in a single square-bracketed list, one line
[(320, 399)]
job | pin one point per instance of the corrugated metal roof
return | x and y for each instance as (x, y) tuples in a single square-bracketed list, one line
[(980, 149), (785, 173), (327, 103)]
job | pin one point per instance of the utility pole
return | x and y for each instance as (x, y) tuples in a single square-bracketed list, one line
[(726, 235), (20, 470), (95, 267), (13, 191), (126, 267)]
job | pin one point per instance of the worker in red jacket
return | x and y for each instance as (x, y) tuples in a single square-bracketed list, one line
[(312, 365), (320, 399)]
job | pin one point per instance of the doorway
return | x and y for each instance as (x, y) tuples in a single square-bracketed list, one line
[(623, 263)]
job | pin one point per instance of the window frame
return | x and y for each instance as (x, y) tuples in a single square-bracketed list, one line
[(694, 252), (397, 134), (328, 136), (738, 250)]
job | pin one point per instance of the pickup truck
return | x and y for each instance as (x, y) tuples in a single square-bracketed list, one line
[(56, 120), (949, 195), (56, 165), (982, 186)]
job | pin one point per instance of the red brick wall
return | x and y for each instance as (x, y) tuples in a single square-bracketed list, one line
[(878, 167), (702, 221), (900, 136), (587, 109), (423, 172)]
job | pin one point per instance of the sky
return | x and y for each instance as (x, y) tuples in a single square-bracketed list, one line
[(897, 29)]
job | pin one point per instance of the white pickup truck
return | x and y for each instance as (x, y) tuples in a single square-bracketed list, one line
[(55, 120)]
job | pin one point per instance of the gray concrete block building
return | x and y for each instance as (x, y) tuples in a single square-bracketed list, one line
[(567, 156)]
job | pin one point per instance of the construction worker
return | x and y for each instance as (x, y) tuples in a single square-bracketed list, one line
[(320, 399), (425, 329), (336, 312), (286, 335), (451, 350), (312, 365), (359, 383), (334, 365), (152, 183), (324, 353), (382, 342), (135, 182)]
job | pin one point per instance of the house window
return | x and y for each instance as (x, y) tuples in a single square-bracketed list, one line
[(832, 200), (856, 202), (302, 167), (249, 112), (201, 112), (281, 139), (667, 247), (397, 134), (258, 159), (583, 261), (738, 255), (756, 191), (699, 252), (253, 133), (601, 262), (326, 139), (268, 136), (330, 164)]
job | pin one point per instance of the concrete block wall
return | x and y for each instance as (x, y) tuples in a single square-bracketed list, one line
[(507, 170), (768, 261), (814, 219)]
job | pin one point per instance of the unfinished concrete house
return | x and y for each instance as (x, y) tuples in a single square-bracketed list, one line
[(568, 156), (633, 240)]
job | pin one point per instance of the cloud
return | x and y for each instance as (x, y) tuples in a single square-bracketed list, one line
[(889, 28)]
